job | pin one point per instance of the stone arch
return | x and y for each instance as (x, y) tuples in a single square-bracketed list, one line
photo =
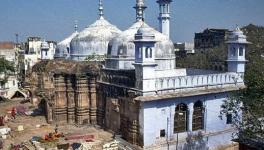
[(180, 118), (198, 116)]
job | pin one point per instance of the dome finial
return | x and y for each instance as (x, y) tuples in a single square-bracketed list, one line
[(140, 7), (76, 25), (101, 9)]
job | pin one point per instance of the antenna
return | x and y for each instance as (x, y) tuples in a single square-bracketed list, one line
[(16, 38)]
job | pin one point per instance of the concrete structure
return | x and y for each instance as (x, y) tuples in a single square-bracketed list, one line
[(48, 50), (139, 93), (210, 38), (164, 16), (184, 49), (9, 89), (236, 51), (33, 46)]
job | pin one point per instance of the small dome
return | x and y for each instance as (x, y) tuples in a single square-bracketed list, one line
[(121, 49), (93, 40), (63, 47), (145, 33), (237, 36)]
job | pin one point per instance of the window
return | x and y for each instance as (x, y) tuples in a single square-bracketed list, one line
[(198, 116), (162, 133), (148, 52), (14, 82), (140, 53), (229, 119), (46, 53), (180, 118), (241, 51), (233, 51)]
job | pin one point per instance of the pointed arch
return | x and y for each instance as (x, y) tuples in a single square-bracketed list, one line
[(180, 118), (198, 116)]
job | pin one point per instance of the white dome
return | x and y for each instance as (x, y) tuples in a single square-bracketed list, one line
[(237, 36), (121, 49), (63, 47), (93, 40)]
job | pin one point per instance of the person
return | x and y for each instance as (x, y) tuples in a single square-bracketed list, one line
[(2, 121), (13, 113), (1, 144), (56, 129)]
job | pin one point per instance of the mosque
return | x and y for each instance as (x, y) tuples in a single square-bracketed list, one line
[(140, 93)]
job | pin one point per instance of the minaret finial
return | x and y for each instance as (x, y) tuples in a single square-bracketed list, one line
[(140, 7), (76, 25), (101, 9)]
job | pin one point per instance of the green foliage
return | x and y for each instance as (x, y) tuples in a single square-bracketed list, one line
[(203, 60), (195, 141), (251, 126), (6, 68), (250, 101), (94, 57)]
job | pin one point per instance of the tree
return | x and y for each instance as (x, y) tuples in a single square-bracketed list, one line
[(6, 68), (250, 101), (195, 141)]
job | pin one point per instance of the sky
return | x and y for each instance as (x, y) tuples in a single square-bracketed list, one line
[(54, 19)]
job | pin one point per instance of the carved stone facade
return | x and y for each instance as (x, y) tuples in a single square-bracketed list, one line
[(72, 91), (77, 93)]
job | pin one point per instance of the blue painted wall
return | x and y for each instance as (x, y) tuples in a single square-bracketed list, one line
[(158, 115)]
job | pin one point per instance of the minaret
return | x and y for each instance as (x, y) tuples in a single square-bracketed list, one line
[(145, 60), (237, 42), (101, 9), (140, 7), (164, 16)]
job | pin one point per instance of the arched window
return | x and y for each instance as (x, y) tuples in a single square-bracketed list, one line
[(241, 51), (198, 116), (140, 53), (180, 118), (148, 52)]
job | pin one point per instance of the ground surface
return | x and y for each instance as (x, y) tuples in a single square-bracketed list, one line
[(30, 128)]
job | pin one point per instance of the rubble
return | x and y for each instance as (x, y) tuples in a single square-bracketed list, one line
[(4, 131)]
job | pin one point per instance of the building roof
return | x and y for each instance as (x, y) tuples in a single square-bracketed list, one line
[(65, 67), (190, 92), (7, 45), (123, 47), (93, 39)]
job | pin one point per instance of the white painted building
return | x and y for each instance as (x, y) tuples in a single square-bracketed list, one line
[(48, 50), (33, 46), (173, 102), (8, 89)]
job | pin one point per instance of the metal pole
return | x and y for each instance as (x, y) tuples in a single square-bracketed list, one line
[(167, 136), (177, 141)]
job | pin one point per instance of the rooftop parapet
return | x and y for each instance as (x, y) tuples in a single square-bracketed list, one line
[(183, 82)]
